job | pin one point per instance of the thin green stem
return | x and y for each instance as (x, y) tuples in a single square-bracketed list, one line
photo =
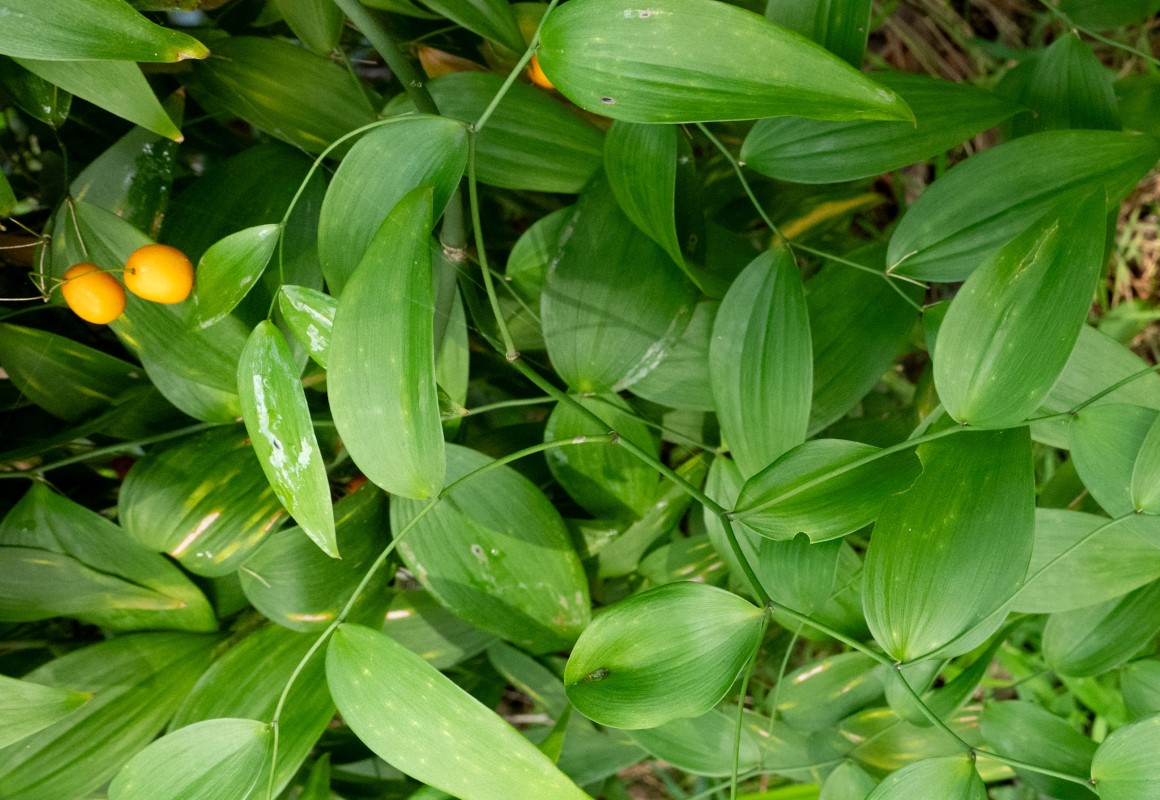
[(741, 708), (930, 715), (773, 713), (511, 353), (386, 47), (500, 404), (739, 555), (516, 70), (378, 563), (1099, 37), (821, 627), (1095, 398)]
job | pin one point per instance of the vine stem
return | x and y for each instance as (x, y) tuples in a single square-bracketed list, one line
[(741, 707), (379, 561), (533, 45)]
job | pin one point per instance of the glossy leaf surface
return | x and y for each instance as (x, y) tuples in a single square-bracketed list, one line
[(229, 269), (309, 314)]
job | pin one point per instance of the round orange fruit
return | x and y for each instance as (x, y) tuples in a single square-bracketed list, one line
[(159, 273), (93, 294), (537, 75)]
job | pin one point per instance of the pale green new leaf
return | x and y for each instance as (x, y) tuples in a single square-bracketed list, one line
[(421, 723), (309, 314), (93, 30), (206, 761), (1125, 765), (950, 778), (382, 362), (229, 269), (951, 551), (664, 654), (27, 708), (278, 420), (761, 362), (699, 60), (824, 488), (1011, 328)]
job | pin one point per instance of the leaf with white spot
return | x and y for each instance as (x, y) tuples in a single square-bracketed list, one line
[(309, 314), (421, 723), (278, 420), (229, 269)]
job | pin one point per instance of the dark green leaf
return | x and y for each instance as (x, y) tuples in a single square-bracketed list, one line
[(34, 95), (496, 552), (664, 654), (278, 420), (318, 23), (309, 314), (681, 379), (229, 269), (692, 60), (952, 778), (375, 175), (7, 196), (1104, 14), (1032, 733), (491, 19), (531, 677), (760, 362), (28, 708), (811, 151), (1097, 639), (950, 552), (382, 365), (824, 488), (968, 214), (1125, 765), (405, 711), (1013, 325), (840, 26), (1068, 87), (641, 164), (417, 621), (96, 30)]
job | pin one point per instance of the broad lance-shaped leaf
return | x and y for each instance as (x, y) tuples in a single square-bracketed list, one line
[(824, 488), (761, 363), (229, 269), (26, 708), (491, 19), (1146, 474), (383, 166), (1125, 766), (278, 420), (1067, 87), (1107, 443), (840, 26), (1032, 733), (664, 654), (1099, 638), (818, 151), (1010, 330), (310, 315), (951, 551), (951, 778), (208, 760), (421, 723), (95, 30), (699, 60), (981, 204), (382, 361)]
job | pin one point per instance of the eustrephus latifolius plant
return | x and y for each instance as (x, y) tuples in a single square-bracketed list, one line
[(586, 405)]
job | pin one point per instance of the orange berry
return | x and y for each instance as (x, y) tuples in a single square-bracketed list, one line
[(159, 273), (93, 294), (537, 75)]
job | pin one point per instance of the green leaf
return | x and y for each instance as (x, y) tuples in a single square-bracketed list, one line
[(664, 654), (1011, 328), (28, 708), (491, 19), (692, 60), (951, 551), (65, 378), (822, 693), (497, 553), (278, 420), (531, 141), (977, 207), (840, 26), (1098, 638), (388, 415), (607, 327), (681, 379), (1068, 87), (1106, 443), (417, 621), (34, 95), (137, 682), (1140, 685), (1032, 733), (292, 94), (7, 196), (847, 782), (1146, 474), (76, 562), (1106, 14), (309, 314), (1069, 570), (318, 23), (607, 480), (296, 585), (208, 760), (858, 326), (405, 711), (760, 362), (1125, 765), (952, 778), (205, 501), (375, 175), (702, 745), (247, 681), (96, 30), (229, 269), (824, 488), (811, 151), (540, 684), (116, 86)]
